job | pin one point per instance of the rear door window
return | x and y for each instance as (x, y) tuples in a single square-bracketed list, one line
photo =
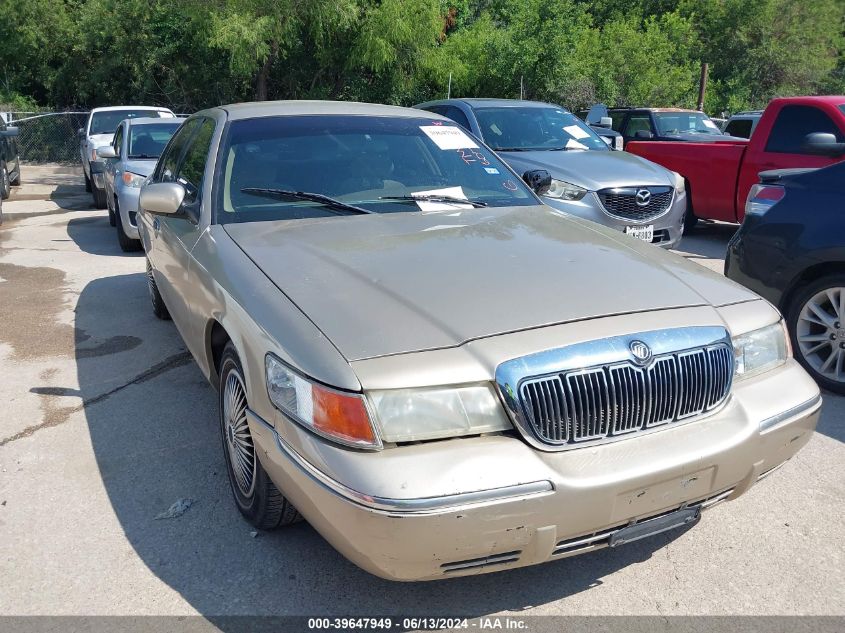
[(794, 123), (739, 127), (637, 123)]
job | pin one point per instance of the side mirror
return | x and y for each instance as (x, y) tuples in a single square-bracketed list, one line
[(822, 144), (605, 121), (538, 179), (643, 135), (10, 132), (162, 198), (106, 151)]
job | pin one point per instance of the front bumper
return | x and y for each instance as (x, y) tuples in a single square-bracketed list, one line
[(127, 199), (668, 228), (553, 505)]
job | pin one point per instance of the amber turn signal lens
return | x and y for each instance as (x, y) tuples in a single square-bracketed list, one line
[(341, 415)]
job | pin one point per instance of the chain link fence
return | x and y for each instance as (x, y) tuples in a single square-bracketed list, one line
[(48, 137)]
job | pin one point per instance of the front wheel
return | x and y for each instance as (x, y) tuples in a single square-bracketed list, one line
[(100, 200), (690, 219), (127, 244), (257, 498), (159, 309), (816, 323), (5, 185)]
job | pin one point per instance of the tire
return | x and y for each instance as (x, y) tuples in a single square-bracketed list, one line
[(127, 244), (5, 185), (257, 498), (87, 181), (690, 220), (820, 348), (16, 182), (99, 195), (159, 309)]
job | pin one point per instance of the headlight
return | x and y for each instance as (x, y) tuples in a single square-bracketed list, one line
[(760, 350), (133, 180), (405, 415), (337, 415), (678, 181), (565, 191)]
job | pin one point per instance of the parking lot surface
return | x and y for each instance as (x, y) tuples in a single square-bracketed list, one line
[(107, 423)]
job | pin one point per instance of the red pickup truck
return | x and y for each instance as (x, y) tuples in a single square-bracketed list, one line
[(793, 132)]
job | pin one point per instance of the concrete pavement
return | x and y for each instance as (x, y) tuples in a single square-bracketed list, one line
[(106, 422)]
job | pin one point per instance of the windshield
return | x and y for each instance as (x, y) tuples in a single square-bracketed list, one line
[(359, 160), (685, 123), (533, 128), (148, 140), (107, 122)]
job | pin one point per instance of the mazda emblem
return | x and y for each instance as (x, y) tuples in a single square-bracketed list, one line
[(643, 197), (640, 351)]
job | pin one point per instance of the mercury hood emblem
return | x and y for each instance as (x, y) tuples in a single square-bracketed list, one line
[(640, 351)]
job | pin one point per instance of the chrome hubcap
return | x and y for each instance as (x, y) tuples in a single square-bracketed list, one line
[(236, 431), (820, 332)]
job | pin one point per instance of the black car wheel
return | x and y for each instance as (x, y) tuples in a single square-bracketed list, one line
[(159, 309), (16, 181), (5, 185), (87, 182), (127, 244), (100, 199), (257, 498), (816, 322)]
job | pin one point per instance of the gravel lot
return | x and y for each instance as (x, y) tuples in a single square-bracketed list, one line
[(107, 422)]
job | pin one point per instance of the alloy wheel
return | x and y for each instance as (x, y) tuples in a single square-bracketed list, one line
[(820, 333), (237, 435)]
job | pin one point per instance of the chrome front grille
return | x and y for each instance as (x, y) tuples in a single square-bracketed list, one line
[(616, 399), (622, 202)]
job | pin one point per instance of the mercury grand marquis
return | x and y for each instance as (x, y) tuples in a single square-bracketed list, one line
[(441, 374)]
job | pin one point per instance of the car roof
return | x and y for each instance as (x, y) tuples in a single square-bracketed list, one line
[(647, 109), (131, 107), (477, 102), (148, 120), (257, 109)]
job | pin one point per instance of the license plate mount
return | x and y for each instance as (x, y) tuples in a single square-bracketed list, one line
[(644, 529), (644, 233)]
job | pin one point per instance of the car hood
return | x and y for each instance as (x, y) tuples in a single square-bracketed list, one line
[(141, 167), (591, 169), (98, 140), (386, 284)]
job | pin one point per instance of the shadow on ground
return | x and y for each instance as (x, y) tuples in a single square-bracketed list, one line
[(708, 240), (96, 236), (156, 441)]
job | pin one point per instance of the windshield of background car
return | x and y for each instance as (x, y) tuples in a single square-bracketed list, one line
[(531, 128), (149, 140), (685, 123), (106, 122), (360, 160)]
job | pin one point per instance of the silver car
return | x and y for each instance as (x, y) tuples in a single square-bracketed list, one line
[(127, 162), (442, 375), (99, 131), (590, 180)]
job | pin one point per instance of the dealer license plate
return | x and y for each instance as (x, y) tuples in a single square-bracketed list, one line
[(645, 233)]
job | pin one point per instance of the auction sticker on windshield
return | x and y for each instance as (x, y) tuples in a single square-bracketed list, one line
[(645, 233), (448, 137)]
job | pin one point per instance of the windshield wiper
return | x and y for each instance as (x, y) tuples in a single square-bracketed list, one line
[(326, 201), (434, 197), (515, 149)]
